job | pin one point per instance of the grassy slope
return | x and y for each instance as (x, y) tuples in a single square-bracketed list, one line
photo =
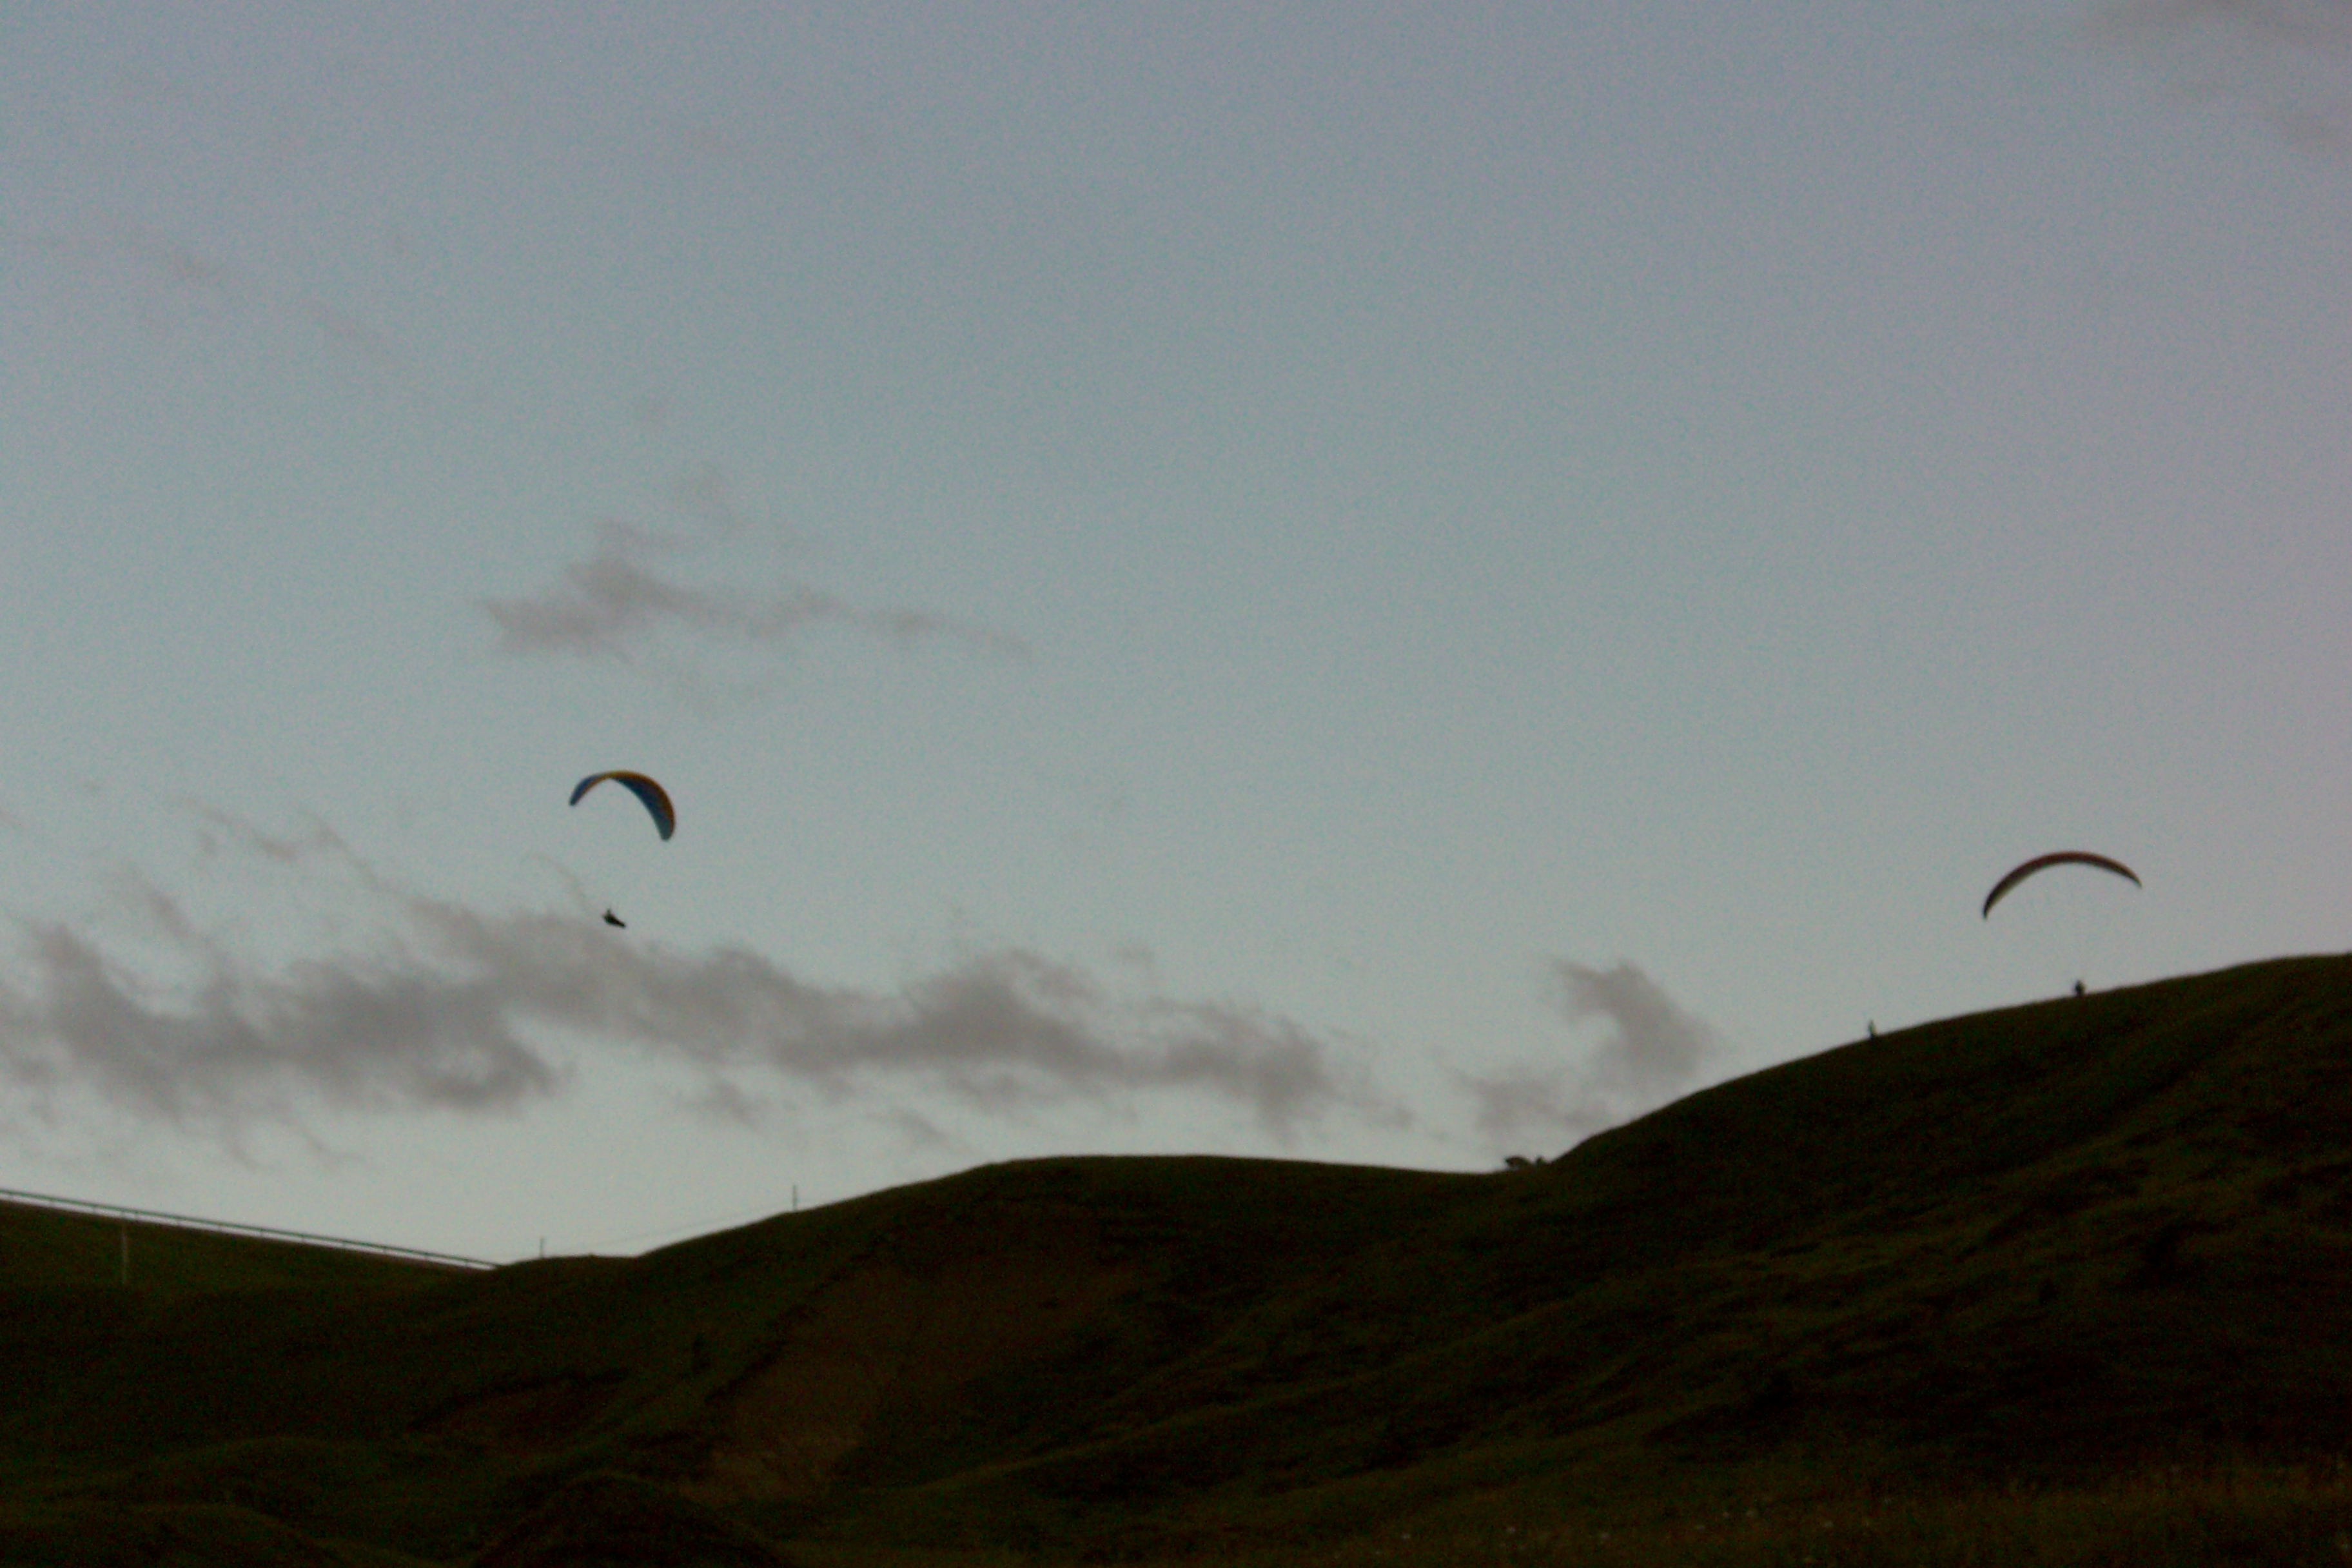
[(56, 1250), (2060, 1241)]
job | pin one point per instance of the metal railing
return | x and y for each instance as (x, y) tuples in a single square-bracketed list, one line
[(230, 1228)]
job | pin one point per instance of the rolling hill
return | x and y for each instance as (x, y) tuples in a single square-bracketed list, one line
[(2042, 1247)]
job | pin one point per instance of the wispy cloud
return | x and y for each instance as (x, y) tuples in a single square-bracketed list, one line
[(2290, 61), (609, 605), (191, 275), (618, 602), (455, 1010), (2315, 25), (1652, 1052)]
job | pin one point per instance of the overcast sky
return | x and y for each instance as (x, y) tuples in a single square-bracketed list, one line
[(1374, 584)]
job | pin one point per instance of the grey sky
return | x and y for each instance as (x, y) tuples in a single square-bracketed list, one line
[(1381, 585)]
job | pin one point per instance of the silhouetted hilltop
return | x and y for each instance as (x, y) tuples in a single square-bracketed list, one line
[(2059, 1241)]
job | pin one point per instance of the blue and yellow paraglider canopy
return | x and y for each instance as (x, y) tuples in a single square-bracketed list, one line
[(656, 798)]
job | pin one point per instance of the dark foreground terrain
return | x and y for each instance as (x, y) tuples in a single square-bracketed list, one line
[(2066, 1283)]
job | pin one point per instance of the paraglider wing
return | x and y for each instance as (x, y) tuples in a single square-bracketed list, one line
[(2061, 858), (656, 798)]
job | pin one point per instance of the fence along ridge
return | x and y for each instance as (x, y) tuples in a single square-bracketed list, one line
[(232, 1227)]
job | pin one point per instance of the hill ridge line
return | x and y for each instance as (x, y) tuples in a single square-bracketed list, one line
[(16, 1198)]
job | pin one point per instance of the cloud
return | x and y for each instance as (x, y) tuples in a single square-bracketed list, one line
[(189, 274), (615, 603), (371, 1036), (2313, 24), (2286, 59), (1651, 1053), (459, 1010)]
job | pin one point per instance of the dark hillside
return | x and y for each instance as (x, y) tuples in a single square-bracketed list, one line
[(2071, 1239), (47, 1247)]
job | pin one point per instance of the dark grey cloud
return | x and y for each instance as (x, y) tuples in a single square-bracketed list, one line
[(1652, 1052), (457, 1009), (617, 603), (242, 1045)]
